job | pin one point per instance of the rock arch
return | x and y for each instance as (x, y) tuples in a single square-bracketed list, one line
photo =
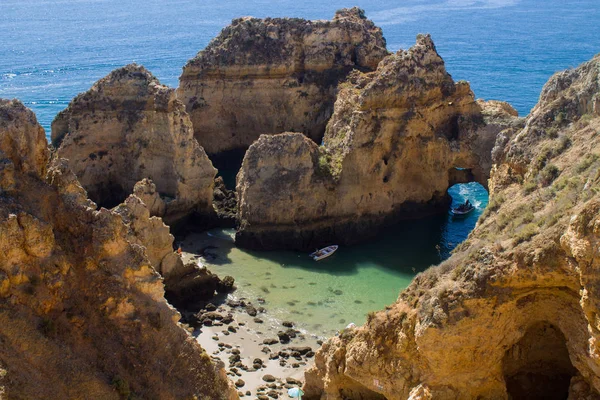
[(387, 154)]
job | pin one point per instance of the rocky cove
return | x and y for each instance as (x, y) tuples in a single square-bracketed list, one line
[(343, 141)]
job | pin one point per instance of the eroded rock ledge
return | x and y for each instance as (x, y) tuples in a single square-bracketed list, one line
[(128, 127), (390, 151), (514, 312), (267, 76), (82, 312)]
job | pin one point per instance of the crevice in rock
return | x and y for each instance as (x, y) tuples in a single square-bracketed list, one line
[(228, 163), (538, 366), (109, 195)]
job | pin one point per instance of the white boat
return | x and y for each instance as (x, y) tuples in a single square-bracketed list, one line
[(324, 252), (460, 211)]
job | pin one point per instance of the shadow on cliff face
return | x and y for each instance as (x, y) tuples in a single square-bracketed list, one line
[(538, 366), (405, 248), (108, 195), (228, 163)]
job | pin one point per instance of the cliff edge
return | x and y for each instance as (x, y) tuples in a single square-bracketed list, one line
[(513, 312), (83, 313), (399, 137), (128, 127), (267, 76)]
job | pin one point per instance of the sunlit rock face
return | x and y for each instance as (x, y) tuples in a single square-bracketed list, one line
[(129, 127), (82, 311), (267, 76), (390, 152), (513, 313)]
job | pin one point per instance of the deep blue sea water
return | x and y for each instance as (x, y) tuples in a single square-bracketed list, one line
[(51, 50)]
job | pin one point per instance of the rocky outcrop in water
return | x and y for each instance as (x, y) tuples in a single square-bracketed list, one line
[(514, 312), (391, 150), (128, 127), (267, 76), (82, 313)]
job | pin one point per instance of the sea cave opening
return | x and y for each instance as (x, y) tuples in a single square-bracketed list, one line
[(538, 366), (457, 227), (228, 163)]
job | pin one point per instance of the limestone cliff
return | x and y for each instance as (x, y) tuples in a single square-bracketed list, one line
[(514, 312), (391, 150), (83, 313), (128, 127), (274, 75)]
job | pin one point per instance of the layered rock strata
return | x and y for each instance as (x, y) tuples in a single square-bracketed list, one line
[(398, 138), (267, 76), (514, 312), (83, 313), (128, 127)]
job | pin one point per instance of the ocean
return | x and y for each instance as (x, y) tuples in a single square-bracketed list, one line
[(51, 50)]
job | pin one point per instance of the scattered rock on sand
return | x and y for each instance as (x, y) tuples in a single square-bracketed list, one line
[(239, 383), (284, 338), (301, 349), (292, 381), (269, 378)]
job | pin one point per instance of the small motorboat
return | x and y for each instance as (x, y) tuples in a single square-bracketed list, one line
[(323, 253), (463, 209)]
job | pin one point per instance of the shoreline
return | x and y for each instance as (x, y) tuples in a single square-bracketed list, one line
[(262, 355)]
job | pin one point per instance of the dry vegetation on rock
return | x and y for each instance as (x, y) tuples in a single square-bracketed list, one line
[(82, 311), (267, 76), (513, 313), (390, 151)]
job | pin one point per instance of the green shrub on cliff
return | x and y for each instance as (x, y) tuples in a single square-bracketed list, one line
[(548, 174)]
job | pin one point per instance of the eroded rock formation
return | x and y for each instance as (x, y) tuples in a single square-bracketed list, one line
[(390, 151), (128, 127), (83, 313), (186, 285), (514, 312), (274, 75)]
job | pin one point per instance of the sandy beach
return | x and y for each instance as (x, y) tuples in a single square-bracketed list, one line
[(263, 356)]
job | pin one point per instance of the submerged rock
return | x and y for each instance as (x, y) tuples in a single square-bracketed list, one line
[(266, 76), (513, 312), (399, 137), (82, 311), (128, 127)]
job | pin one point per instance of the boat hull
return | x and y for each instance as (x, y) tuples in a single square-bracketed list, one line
[(323, 253)]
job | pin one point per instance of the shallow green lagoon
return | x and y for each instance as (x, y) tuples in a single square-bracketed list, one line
[(325, 296)]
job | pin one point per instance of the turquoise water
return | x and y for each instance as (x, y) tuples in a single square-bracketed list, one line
[(53, 49), (325, 296)]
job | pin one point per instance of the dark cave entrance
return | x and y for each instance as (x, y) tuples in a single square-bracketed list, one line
[(108, 195), (228, 163), (538, 366)]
